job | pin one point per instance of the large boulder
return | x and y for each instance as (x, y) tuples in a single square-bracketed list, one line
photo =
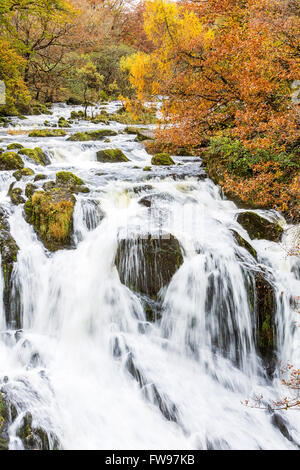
[(24, 172), (11, 161), (51, 214), (73, 183), (91, 135), (111, 156), (141, 133), (263, 301), (146, 264), (9, 252), (244, 244), (258, 227), (36, 155)]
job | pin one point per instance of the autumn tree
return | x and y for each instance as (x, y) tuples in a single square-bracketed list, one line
[(225, 66), (90, 83)]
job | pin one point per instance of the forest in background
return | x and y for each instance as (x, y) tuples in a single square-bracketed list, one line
[(226, 71)]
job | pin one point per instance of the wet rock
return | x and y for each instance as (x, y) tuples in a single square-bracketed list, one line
[(91, 135), (4, 415), (243, 243), (14, 146), (47, 133), (100, 118), (11, 161), (48, 185), (73, 183), (24, 172), (51, 214), (34, 438), (16, 197), (144, 187), (111, 156), (9, 252), (39, 177), (259, 228), (147, 168), (72, 101), (145, 265), (150, 199), (36, 155), (265, 307), (30, 189), (162, 159), (62, 122)]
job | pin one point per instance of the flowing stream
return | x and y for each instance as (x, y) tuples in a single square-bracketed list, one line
[(167, 386)]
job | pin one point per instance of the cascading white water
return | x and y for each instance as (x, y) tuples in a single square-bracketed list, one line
[(88, 365)]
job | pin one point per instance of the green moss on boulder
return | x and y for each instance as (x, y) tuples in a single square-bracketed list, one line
[(148, 264), (62, 122), (47, 133), (51, 214), (259, 228), (16, 197), (67, 178), (91, 135), (36, 155), (111, 156), (24, 172), (162, 159), (35, 438), (30, 189), (11, 161), (14, 146), (39, 177)]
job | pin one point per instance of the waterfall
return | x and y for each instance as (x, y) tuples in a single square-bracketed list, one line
[(87, 367)]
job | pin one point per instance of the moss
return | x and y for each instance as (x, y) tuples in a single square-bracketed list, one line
[(147, 168), (30, 189), (16, 196), (48, 133), (68, 178), (62, 122), (141, 134), (162, 159), (3, 424), (24, 172), (111, 156), (100, 118), (39, 177), (34, 438), (260, 228), (36, 155), (14, 146), (51, 214), (11, 161), (92, 135)]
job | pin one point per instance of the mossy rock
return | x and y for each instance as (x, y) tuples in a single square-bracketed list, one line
[(67, 178), (9, 253), (47, 133), (11, 161), (111, 156), (62, 122), (260, 228), (162, 159), (16, 197), (35, 438), (147, 168), (243, 243), (24, 172), (91, 135), (36, 155), (15, 146), (30, 189), (4, 438), (39, 177), (51, 214), (72, 182), (100, 118), (146, 265)]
